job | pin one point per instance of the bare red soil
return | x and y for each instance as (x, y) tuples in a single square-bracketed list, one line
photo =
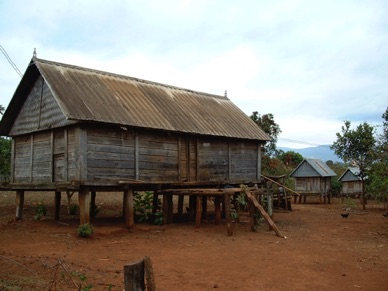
[(322, 251)]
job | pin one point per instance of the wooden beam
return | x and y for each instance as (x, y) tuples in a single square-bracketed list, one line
[(269, 179), (84, 206), (19, 204), (229, 229), (265, 215)]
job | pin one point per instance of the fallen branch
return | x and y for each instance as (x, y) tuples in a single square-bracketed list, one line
[(5, 258)]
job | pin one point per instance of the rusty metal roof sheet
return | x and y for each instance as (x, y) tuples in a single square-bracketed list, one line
[(90, 95), (312, 168)]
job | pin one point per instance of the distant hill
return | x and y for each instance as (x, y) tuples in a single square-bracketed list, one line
[(322, 152)]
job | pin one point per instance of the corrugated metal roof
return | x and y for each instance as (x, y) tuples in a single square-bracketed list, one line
[(90, 95), (312, 168), (351, 174)]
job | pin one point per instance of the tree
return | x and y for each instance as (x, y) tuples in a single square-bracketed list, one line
[(378, 175), (356, 146), (290, 158), (2, 109), (267, 123), (5, 156)]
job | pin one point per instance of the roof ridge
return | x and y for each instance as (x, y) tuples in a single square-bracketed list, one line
[(126, 77)]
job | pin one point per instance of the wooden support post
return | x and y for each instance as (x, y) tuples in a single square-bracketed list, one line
[(265, 215), (170, 209), (229, 228), (165, 209), (217, 209), (19, 204), (204, 207), (84, 205), (198, 212), (93, 204), (129, 208), (134, 276), (57, 204), (252, 219), (155, 203), (180, 205)]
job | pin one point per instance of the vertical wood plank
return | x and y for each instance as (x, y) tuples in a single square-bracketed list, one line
[(170, 209), (180, 205), (84, 205), (229, 162), (165, 209), (52, 156), (66, 164), (149, 274), (134, 276), (32, 156), (204, 207), (129, 212), (258, 165), (217, 209), (92, 204), (229, 229), (155, 205), (136, 141), (19, 204), (57, 204), (82, 155), (13, 147), (198, 212), (179, 160)]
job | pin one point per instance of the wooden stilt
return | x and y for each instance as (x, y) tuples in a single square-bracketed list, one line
[(155, 203), (204, 207), (19, 204), (251, 208), (198, 213), (180, 205), (93, 204), (217, 209), (84, 206), (229, 228), (165, 209), (129, 208), (57, 204), (265, 215), (170, 209)]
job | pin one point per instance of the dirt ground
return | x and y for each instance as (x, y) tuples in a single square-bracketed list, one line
[(322, 251)]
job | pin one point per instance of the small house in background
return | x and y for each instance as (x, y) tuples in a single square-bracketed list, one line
[(81, 130), (313, 178), (351, 182)]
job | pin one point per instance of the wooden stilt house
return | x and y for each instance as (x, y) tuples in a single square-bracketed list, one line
[(351, 182), (79, 129), (313, 178)]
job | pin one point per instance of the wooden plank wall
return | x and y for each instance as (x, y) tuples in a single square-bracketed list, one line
[(110, 154)]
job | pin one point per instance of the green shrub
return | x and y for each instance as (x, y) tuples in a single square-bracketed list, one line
[(85, 230), (40, 210)]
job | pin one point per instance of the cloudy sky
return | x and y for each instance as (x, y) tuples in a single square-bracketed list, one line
[(313, 64)]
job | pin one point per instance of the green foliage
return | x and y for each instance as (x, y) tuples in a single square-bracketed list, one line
[(349, 203), (5, 156), (356, 146), (290, 158), (73, 209), (83, 280), (267, 123), (40, 211), (143, 203), (85, 230)]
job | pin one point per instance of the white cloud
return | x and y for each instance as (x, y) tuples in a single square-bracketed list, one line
[(312, 64)]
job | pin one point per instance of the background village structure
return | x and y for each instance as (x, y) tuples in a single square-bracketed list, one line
[(81, 130)]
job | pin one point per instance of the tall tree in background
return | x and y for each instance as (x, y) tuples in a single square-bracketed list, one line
[(356, 146), (2, 109), (377, 184), (267, 123)]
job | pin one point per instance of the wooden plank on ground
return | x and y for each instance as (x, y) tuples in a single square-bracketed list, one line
[(265, 215)]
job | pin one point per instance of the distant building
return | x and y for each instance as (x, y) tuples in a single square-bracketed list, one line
[(313, 178), (351, 182)]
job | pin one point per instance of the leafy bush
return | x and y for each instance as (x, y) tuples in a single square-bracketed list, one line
[(143, 208), (40, 211), (85, 230)]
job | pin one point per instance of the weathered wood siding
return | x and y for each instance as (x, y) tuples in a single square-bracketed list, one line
[(158, 157), (312, 184), (351, 187), (22, 159), (110, 154), (40, 111)]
